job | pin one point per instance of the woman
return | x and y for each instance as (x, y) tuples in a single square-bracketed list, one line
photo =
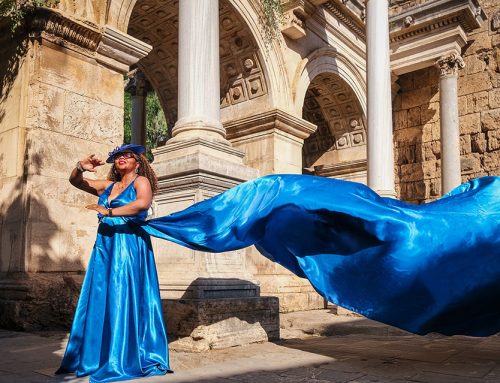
[(118, 331)]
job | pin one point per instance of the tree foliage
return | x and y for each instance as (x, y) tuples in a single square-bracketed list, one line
[(15, 11), (156, 125)]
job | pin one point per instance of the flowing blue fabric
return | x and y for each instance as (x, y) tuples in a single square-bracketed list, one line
[(118, 331), (422, 268)]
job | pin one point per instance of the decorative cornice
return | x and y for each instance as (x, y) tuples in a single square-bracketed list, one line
[(105, 44), (450, 64), (54, 23), (268, 121), (347, 16), (433, 16)]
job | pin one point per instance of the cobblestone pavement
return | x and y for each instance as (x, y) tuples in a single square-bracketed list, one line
[(355, 358)]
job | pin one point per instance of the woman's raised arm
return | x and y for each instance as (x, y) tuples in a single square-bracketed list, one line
[(95, 187)]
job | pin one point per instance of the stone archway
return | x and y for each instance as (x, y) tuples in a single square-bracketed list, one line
[(244, 84), (328, 60), (338, 146), (156, 23)]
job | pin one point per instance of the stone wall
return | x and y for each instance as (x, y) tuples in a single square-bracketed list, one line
[(57, 105), (417, 125)]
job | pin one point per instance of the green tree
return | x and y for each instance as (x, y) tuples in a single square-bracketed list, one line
[(156, 124)]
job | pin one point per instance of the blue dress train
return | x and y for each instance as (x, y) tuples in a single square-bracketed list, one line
[(118, 330), (423, 268)]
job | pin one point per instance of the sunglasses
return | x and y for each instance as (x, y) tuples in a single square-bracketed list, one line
[(124, 155)]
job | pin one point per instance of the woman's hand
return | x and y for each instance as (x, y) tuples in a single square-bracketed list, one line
[(97, 208), (91, 163)]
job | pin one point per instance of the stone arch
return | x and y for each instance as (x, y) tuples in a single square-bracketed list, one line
[(119, 13), (328, 89), (327, 60)]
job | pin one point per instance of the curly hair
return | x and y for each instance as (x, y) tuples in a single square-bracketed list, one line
[(144, 169)]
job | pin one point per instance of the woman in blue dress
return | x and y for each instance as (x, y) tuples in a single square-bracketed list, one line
[(118, 330)]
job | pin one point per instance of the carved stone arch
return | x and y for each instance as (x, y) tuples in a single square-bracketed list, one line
[(119, 13), (327, 60), (330, 92)]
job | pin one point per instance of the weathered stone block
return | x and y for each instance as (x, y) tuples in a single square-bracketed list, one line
[(429, 112), (470, 123), (470, 163), (411, 172), (408, 135), (462, 105), (435, 187), (416, 97), (474, 83), (201, 324), (400, 119), (493, 140), (490, 120), (473, 64), (478, 143), (491, 163), (428, 132), (414, 116), (465, 144), (431, 169), (494, 98), (477, 102)]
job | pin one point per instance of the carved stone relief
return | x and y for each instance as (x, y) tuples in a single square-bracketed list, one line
[(334, 108), (156, 23)]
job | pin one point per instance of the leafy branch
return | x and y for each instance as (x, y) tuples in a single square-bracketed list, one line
[(16, 11)]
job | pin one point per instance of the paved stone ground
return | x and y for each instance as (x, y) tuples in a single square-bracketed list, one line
[(365, 352)]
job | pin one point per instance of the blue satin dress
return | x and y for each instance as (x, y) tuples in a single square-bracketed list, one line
[(426, 268), (118, 330)]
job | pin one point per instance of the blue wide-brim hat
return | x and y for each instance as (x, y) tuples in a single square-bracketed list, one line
[(137, 149)]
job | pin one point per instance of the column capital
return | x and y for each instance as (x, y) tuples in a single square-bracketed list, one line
[(137, 83), (449, 64)]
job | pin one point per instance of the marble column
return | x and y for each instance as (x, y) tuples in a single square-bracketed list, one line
[(450, 129), (379, 113), (199, 79), (138, 87)]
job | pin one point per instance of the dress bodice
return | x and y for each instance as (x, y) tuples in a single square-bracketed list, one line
[(126, 196)]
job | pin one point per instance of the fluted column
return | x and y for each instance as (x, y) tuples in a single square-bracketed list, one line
[(379, 113), (450, 129), (199, 84)]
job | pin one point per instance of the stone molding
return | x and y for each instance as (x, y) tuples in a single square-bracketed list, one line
[(173, 145), (435, 15), (60, 28), (120, 50), (450, 64), (353, 20), (422, 34), (105, 44), (340, 169), (270, 120)]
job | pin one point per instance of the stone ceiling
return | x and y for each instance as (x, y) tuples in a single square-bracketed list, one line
[(332, 105), (156, 23)]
